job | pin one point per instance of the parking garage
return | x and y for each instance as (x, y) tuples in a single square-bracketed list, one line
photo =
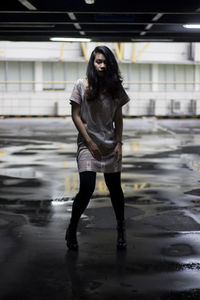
[(38, 173)]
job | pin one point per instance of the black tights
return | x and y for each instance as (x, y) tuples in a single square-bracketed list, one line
[(86, 189)]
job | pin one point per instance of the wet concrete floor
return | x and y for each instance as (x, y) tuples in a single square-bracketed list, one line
[(160, 179)]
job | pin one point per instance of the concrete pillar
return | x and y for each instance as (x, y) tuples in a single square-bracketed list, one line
[(38, 76)]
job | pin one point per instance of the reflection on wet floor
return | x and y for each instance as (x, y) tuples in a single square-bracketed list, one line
[(160, 179)]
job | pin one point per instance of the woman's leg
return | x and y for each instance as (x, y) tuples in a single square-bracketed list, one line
[(113, 182), (86, 189)]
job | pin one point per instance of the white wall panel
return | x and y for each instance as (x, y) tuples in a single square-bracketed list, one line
[(26, 74), (2, 76), (170, 77), (38, 76), (13, 75), (196, 51), (180, 76), (134, 75), (81, 71), (71, 73), (58, 74), (47, 75), (189, 76), (145, 75), (162, 77)]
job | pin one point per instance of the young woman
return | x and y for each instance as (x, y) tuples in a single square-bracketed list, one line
[(97, 102)]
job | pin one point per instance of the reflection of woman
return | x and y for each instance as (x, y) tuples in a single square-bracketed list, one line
[(97, 114)]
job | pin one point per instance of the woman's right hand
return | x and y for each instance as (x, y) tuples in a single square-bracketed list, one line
[(94, 149)]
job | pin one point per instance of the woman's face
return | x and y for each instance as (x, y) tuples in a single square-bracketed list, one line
[(100, 64)]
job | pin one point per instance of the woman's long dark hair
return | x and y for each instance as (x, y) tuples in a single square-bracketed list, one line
[(112, 80)]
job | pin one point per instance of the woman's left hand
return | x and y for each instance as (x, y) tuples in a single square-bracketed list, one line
[(118, 152)]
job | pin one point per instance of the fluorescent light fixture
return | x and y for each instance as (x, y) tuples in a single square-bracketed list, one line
[(148, 26), (72, 16), (27, 4), (89, 1), (63, 39), (77, 26), (151, 40), (192, 26), (157, 17)]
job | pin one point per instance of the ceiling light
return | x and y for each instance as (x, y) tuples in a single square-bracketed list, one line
[(151, 40), (195, 26), (63, 39), (148, 26), (157, 17), (77, 26), (27, 4), (89, 1), (72, 16)]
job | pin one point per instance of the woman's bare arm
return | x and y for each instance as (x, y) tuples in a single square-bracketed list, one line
[(93, 148)]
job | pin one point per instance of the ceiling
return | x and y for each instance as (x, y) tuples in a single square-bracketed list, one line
[(103, 21)]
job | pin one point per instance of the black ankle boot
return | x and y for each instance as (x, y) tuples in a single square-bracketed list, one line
[(70, 237), (121, 235)]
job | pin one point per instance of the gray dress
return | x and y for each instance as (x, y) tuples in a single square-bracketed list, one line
[(97, 116)]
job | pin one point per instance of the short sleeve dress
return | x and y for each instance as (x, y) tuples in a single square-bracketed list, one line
[(98, 118)]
